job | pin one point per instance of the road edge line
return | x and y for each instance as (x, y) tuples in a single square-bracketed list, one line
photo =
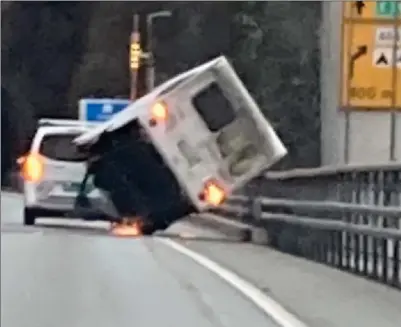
[(268, 305)]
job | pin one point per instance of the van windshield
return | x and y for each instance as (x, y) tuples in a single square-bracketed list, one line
[(60, 147)]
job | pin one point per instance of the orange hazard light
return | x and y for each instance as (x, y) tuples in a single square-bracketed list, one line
[(127, 229), (32, 168), (213, 193), (159, 113)]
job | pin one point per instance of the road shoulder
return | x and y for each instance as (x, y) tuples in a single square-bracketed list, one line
[(318, 295)]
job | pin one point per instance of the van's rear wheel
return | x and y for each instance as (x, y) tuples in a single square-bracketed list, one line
[(150, 227), (29, 217), (148, 230), (160, 221)]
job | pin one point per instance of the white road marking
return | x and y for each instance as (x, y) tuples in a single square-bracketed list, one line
[(272, 308)]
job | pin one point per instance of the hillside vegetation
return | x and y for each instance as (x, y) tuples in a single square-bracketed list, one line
[(53, 53)]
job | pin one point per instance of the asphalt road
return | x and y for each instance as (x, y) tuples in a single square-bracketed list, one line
[(68, 273), (56, 275), (317, 294)]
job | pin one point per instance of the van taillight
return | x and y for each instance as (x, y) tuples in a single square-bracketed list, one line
[(32, 168), (212, 193)]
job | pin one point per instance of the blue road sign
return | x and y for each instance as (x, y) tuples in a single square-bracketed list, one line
[(98, 110)]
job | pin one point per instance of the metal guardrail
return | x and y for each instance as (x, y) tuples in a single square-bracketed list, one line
[(346, 217)]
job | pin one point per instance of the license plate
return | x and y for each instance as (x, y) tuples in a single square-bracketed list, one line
[(71, 187), (74, 187)]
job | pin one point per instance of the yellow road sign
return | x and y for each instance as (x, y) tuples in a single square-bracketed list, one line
[(371, 59), (372, 9)]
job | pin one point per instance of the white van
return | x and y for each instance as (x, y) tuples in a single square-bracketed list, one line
[(53, 169)]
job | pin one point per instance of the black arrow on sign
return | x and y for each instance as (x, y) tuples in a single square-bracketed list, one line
[(382, 60), (361, 51), (359, 5)]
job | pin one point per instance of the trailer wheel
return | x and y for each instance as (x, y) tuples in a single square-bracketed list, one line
[(148, 230)]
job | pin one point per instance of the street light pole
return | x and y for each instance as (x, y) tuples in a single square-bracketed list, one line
[(151, 68), (135, 39)]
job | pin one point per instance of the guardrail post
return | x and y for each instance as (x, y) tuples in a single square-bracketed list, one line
[(396, 257), (376, 183), (256, 208), (385, 243), (260, 234), (367, 197)]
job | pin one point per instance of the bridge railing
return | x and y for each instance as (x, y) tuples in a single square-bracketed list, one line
[(347, 217)]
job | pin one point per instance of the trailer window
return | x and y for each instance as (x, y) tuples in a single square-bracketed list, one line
[(214, 108), (60, 147)]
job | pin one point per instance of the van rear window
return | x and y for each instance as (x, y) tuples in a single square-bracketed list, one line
[(60, 147), (214, 108)]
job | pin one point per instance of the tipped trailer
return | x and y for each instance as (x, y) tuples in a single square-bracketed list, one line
[(182, 148)]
